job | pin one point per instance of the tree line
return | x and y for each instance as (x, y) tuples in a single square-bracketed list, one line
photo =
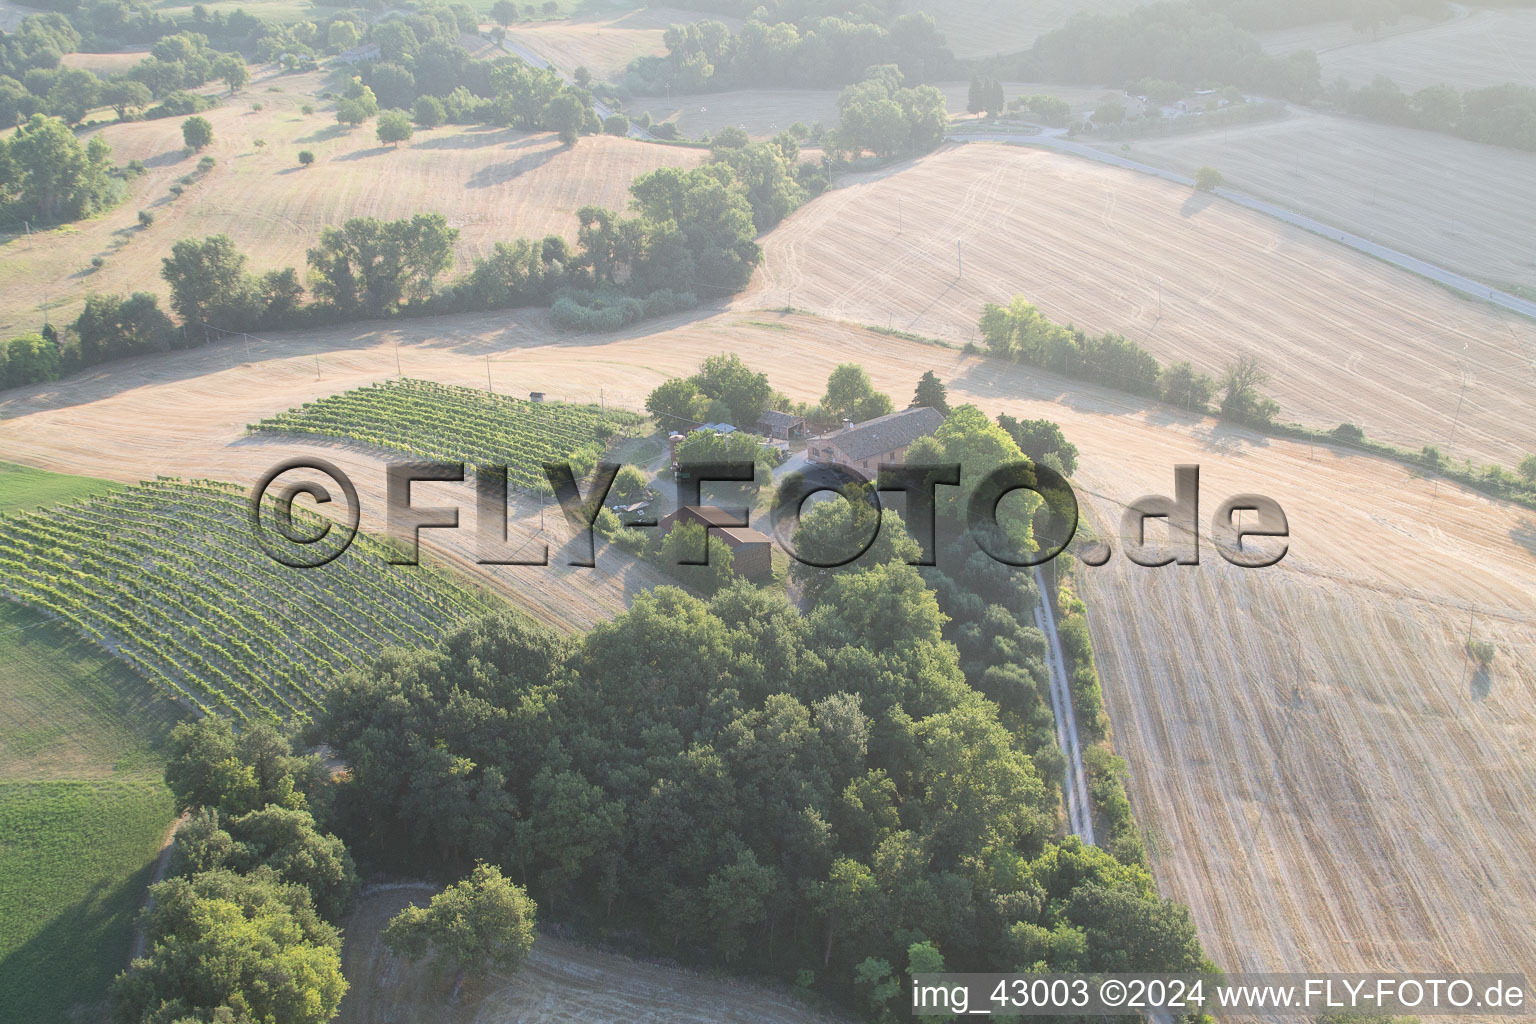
[(1021, 333), (691, 232), (1500, 115), (706, 56)]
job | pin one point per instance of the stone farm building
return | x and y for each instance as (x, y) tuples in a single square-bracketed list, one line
[(751, 549), (884, 440)]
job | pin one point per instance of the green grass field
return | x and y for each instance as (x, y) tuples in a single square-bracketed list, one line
[(82, 809), (23, 489), (75, 858), (68, 710)]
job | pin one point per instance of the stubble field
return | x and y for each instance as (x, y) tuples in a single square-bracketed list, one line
[(492, 184), (1469, 51), (1441, 198), (1186, 275)]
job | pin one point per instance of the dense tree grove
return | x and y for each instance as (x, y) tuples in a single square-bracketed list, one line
[(706, 56), (820, 788)]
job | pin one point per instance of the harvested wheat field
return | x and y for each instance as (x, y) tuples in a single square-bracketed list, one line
[(605, 45), (1480, 48), (1184, 274), (1434, 196), (492, 184), (561, 981), (1285, 767)]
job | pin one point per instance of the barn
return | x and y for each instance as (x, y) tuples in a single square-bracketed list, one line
[(751, 549)]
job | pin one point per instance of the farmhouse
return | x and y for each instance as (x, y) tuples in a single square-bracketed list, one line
[(877, 441), (751, 549)]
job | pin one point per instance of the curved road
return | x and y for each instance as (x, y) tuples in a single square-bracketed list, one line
[(1056, 139)]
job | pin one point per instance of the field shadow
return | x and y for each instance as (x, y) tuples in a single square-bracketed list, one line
[(173, 156), (1524, 534), (992, 376), (474, 138), (326, 134), (500, 174), (1196, 203), (363, 154), (1482, 683), (72, 959)]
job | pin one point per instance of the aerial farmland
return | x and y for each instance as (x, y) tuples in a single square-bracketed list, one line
[(453, 569)]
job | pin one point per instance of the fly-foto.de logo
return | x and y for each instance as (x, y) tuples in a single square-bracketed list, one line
[(1050, 506)]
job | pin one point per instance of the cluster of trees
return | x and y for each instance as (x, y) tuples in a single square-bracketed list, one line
[(880, 116), (243, 929), (33, 81), (1049, 109), (1500, 115), (725, 390), (423, 68), (985, 94), (1021, 333), (1176, 42), (822, 51), (47, 176), (823, 789)]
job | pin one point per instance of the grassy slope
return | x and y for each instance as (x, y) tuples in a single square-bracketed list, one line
[(82, 810), (75, 857), (23, 488)]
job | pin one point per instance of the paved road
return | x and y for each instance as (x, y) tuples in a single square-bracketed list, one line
[(603, 111), (1056, 139)]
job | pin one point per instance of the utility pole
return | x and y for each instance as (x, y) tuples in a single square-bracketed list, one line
[(488, 372), (398, 371), (602, 402)]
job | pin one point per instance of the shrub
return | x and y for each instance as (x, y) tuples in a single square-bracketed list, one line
[(308, 108), (429, 112), (146, 218), (97, 262), (1208, 179), (616, 124), (306, 158), (206, 163), (1349, 433)]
